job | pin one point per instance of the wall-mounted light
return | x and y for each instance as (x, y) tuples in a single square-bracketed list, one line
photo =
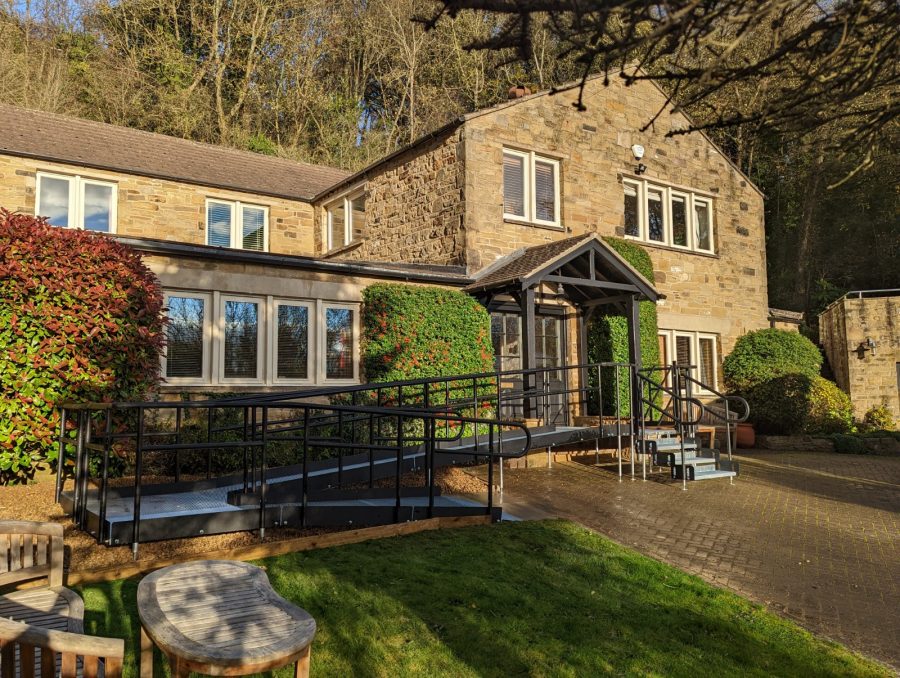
[(867, 345), (638, 152)]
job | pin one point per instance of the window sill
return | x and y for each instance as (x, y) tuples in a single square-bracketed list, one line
[(534, 224), (343, 249), (672, 248)]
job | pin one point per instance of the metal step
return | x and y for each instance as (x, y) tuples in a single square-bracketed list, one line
[(713, 473)]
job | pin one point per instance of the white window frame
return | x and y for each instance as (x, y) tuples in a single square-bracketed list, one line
[(311, 339), (643, 188), (346, 201), (322, 352), (261, 343), (237, 223), (76, 198), (694, 338), (208, 338), (529, 190), (693, 225)]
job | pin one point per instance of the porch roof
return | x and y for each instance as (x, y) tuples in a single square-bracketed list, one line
[(587, 268)]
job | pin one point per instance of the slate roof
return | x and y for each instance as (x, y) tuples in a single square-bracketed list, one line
[(60, 138), (524, 263)]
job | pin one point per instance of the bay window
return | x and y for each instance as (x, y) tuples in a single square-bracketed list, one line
[(530, 188), (666, 216), (76, 202), (236, 225), (219, 339)]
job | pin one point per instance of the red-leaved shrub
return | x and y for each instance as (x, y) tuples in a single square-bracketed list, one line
[(80, 320)]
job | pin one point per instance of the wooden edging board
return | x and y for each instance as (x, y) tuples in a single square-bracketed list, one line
[(278, 548)]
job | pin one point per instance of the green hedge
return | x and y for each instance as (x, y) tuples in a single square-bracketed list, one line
[(412, 332), (80, 319), (767, 354), (608, 334), (796, 403)]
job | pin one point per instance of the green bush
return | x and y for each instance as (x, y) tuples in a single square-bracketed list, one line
[(879, 418), (848, 444), (608, 334), (797, 403), (80, 319), (414, 332), (766, 354)]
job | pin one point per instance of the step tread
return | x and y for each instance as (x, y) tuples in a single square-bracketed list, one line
[(708, 475)]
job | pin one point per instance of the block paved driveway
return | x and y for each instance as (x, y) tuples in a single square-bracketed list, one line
[(813, 536)]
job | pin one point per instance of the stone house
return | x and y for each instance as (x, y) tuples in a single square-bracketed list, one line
[(860, 333), (263, 259)]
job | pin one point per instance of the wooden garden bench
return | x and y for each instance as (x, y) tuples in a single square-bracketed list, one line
[(41, 627), (30, 551)]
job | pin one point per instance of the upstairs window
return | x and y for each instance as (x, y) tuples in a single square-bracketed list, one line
[(76, 202), (345, 220), (237, 225), (530, 188), (666, 216)]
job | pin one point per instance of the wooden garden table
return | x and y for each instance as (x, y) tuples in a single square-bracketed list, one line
[(221, 618)]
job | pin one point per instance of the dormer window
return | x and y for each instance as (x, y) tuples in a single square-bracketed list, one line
[(345, 220), (530, 188)]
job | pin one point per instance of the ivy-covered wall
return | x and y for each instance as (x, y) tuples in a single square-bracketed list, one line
[(608, 334), (414, 332)]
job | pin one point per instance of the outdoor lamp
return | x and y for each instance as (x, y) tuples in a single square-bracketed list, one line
[(867, 345), (638, 152)]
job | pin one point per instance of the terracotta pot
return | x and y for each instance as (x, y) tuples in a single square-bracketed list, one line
[(745, 436)]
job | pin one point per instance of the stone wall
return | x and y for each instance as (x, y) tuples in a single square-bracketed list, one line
[(724, 293), (414, 207), (166, 210), (871, 378)]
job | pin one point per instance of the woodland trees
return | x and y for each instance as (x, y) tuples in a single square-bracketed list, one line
[(803, 96)]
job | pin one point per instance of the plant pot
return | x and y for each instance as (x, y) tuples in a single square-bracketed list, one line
[(745, 436)]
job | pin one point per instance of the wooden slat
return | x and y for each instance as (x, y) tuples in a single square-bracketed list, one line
[(48, 663), (27, 550), (89, 667), (112, 667), (43, 546), (15, 552), (4, 553), (26, 660), (69, 665), (8, 658)]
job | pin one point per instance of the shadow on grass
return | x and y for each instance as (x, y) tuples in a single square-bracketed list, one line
[(547, 598)]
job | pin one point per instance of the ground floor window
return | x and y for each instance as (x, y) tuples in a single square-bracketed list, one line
[(696, 349), (223, 339)]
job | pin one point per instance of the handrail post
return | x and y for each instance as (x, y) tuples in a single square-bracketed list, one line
[(399, 468), (61, 454), (490, 498), (264, 438), (85, 468), (304, 498), (138, 469), (104, 483), (178, 442), (431, 427), (642, 422), (728, 428)]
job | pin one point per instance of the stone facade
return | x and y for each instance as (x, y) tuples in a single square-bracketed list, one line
[(414, 207), (162, 209), (872, 378)]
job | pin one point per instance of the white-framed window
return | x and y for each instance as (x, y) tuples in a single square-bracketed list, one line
[(663, 215), (697, 349), (241, 328), (345, 219), (237, 225), (531, 189), (292, 342), (219, 339), (187, 355), (339, 333), (72, 201)]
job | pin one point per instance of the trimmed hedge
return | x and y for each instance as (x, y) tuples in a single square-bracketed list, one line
[(608, 334), (767, 354), (796, 403), (80, 319), (412, 332)]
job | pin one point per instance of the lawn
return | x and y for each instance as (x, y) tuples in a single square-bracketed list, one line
[(543, 598)]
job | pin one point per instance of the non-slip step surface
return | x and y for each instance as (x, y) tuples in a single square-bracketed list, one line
[(709, 475)]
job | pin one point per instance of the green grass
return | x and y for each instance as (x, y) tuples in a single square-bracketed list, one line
[(518, 599)]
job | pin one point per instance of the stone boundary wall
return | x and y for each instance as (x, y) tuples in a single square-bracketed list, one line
[(886, 446)]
